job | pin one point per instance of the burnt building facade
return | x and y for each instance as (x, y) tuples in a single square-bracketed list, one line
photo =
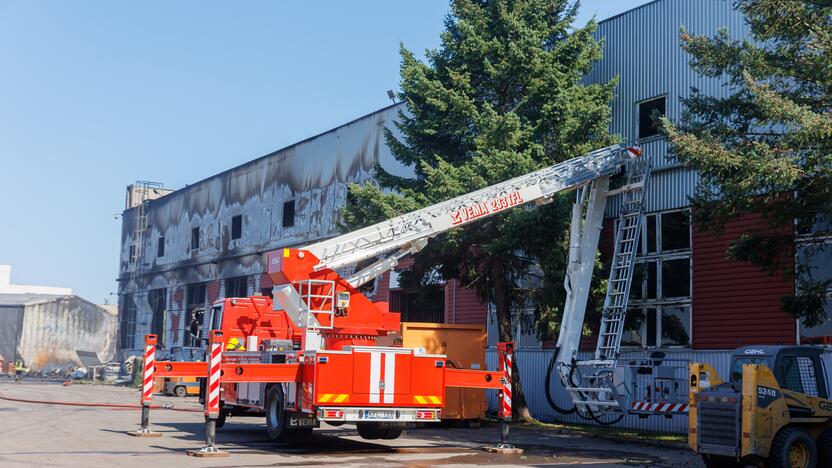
[(184, 249)]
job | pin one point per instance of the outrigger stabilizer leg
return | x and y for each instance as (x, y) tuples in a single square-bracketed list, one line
[(147, 388), (505, 351), (212, 399)]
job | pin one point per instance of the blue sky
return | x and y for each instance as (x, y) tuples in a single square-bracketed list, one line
[(97, 94)]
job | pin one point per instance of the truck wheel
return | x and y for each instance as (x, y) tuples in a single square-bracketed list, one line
[(301, 433), (717, 461), (792, 448), (391, 433), (369, 431), (180, 391), (276, 424), (824, 445)]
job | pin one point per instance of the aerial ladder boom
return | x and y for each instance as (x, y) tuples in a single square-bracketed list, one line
[(409, 233)]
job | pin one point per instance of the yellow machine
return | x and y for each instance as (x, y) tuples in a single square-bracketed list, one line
[(774, 410)]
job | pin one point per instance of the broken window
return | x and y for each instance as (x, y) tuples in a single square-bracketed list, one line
[(156, 298), (236, 287), (237, 227), (194, 238), (289, 213), (651, 326), (675, 230), (649, 113), (195, 297), (160, 247), (127, 325), (676, 278), (650, 221)]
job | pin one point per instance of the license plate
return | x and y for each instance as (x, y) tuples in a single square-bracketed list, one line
[(379, 414)]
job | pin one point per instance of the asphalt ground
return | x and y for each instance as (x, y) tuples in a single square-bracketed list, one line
[(70, 436)]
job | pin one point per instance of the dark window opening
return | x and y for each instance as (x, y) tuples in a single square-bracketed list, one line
[(676, 278), (160, 247), (236, 287), (195, 298), (194, 238), (675, 230), (237, 227), (637, 284), (133, 253), (651, 233), (289, 213), (651, 328), (156, 300), (127, 327), (419, 306), (649, 113), (266, 292), (651, 280)]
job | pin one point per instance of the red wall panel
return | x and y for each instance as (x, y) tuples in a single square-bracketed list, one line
[(213, 291), (733, 302), (463, 306), (383, 290)]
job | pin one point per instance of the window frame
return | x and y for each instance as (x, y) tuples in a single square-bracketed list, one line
[(658, 134), (660, 302), (239, 231), (283, 219), (196, 234), (160, 247)]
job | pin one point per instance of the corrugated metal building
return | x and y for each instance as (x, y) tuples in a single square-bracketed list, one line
[(207, 240), (45, 331)]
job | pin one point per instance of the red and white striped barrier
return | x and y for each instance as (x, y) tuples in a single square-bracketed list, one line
[(506, 353), (212, 394), (149, 367), (649, 407)]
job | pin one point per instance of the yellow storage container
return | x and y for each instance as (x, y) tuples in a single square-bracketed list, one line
[(465, 347)]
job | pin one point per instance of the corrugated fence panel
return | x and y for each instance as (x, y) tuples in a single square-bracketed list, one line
[(534, 362)]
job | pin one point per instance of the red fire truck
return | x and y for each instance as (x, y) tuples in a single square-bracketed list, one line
[(311, 353)]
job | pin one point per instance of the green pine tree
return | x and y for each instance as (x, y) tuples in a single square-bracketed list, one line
[(502, 96), (766, 148)]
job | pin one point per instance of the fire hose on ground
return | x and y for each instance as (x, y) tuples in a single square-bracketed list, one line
[(116, 406)]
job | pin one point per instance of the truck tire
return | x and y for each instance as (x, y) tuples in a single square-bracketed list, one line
[(370, 431), (301, 433), (392, 433), (824, 445), (180, 391), (276, 424), (792, 448), (718, 461)]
